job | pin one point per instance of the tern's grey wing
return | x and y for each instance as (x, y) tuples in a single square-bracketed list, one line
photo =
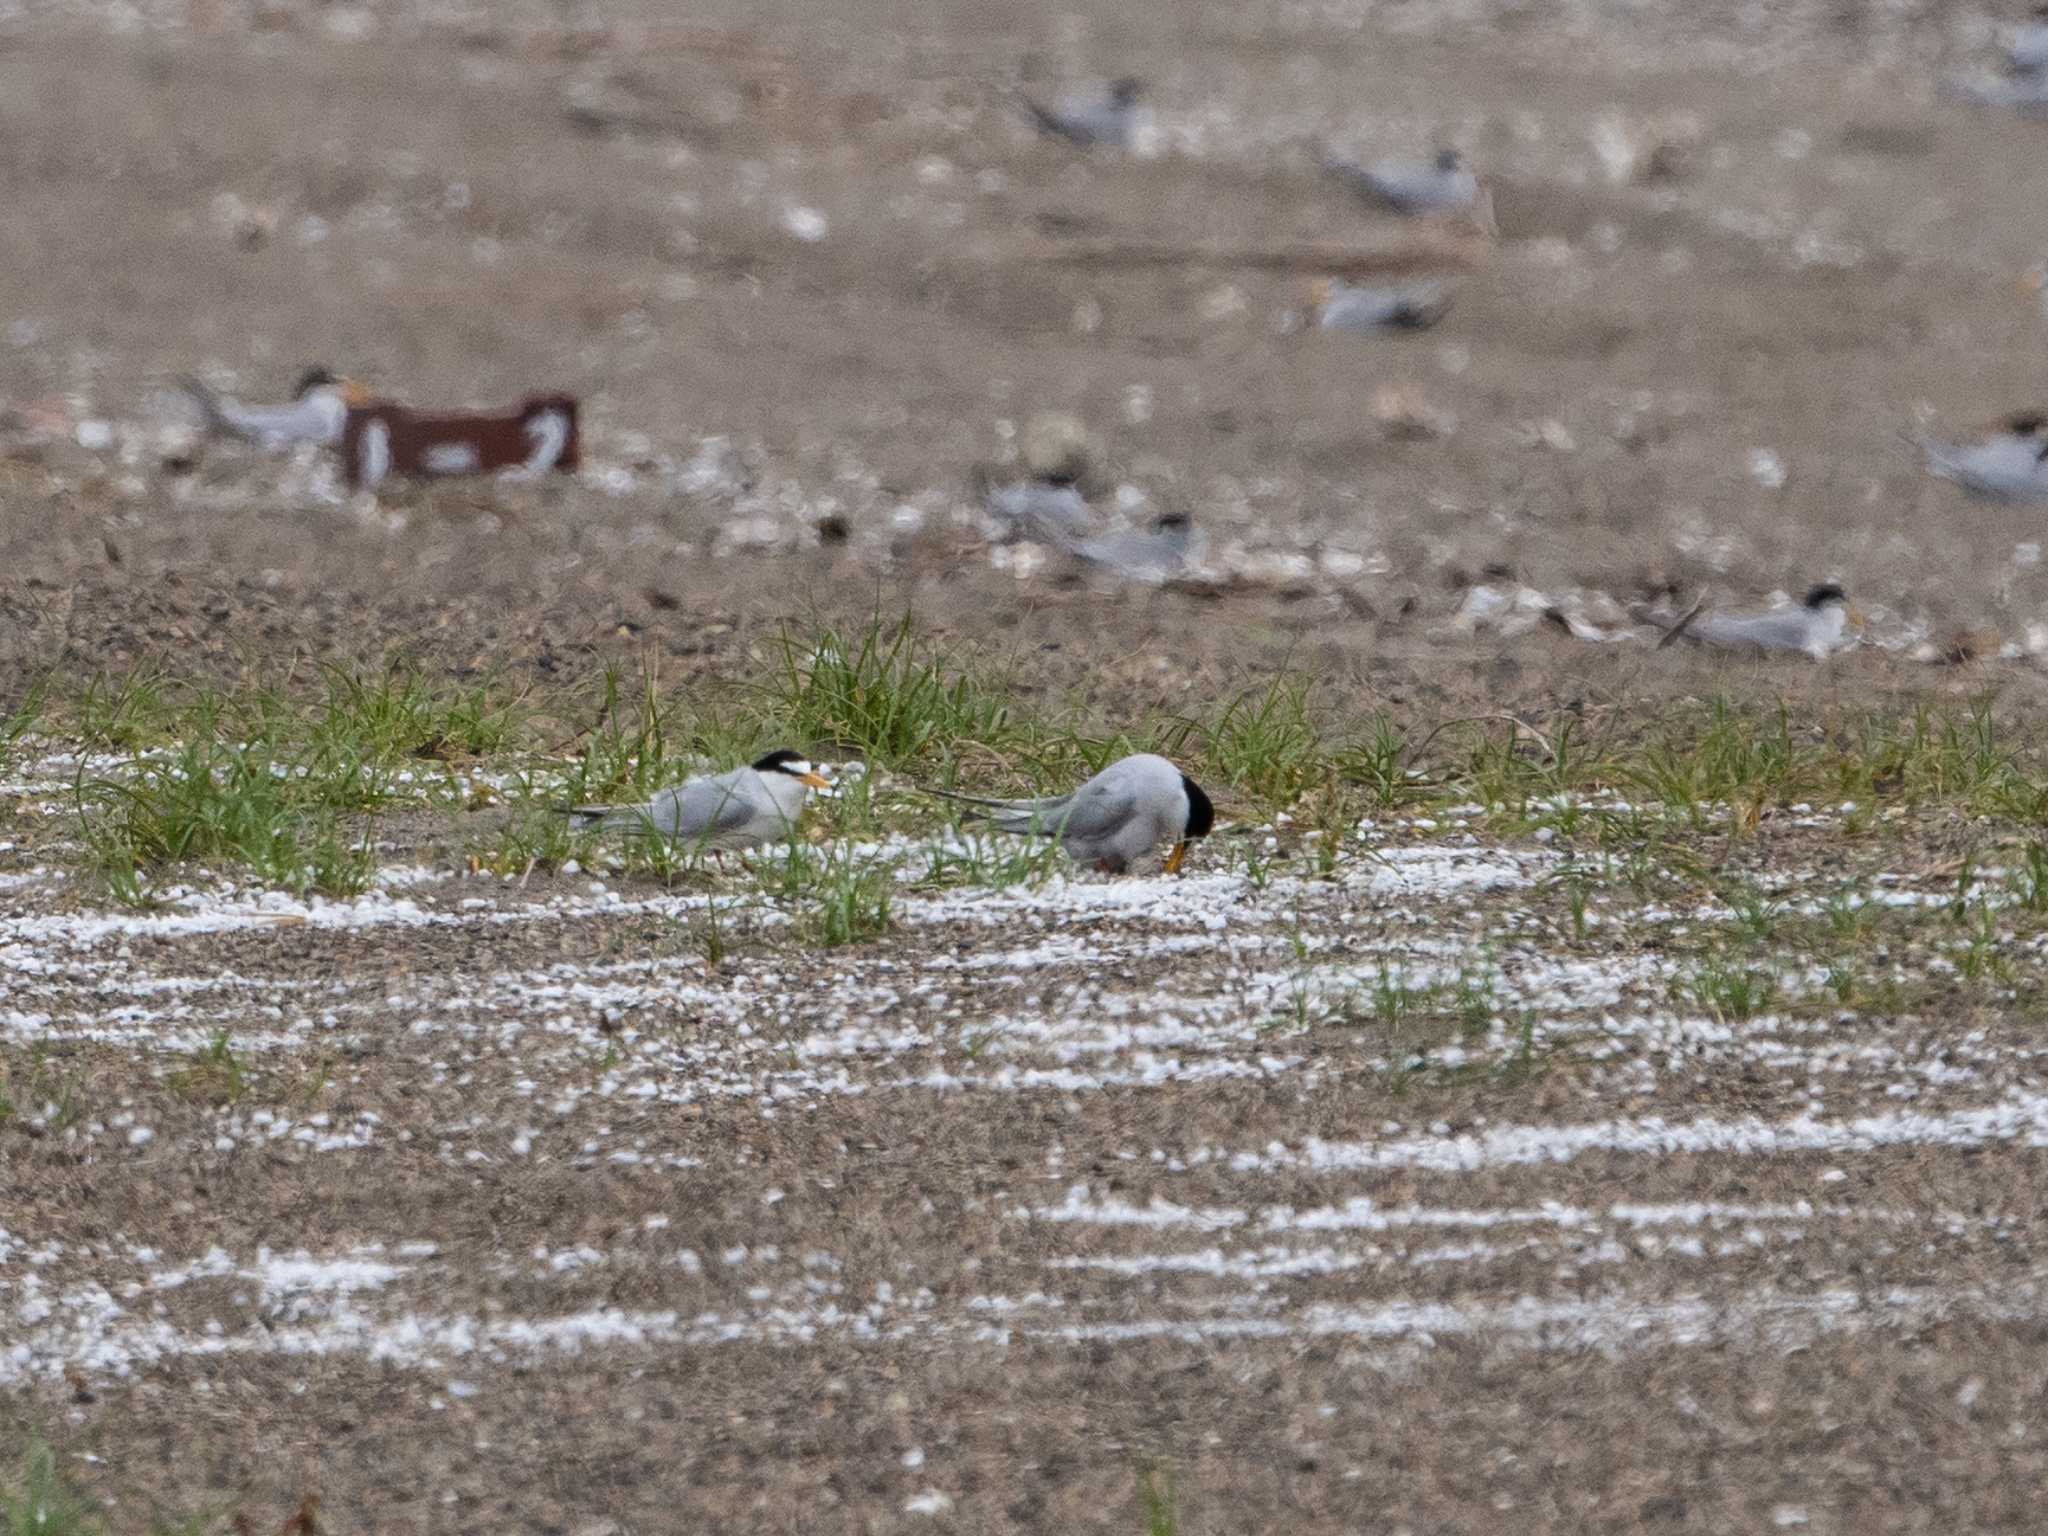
[(1055, 513), (1411, 188), (703, 808), (1101, 807), (1791, 630), (1413, 306), (1401, 188), (1351, 173), (1084, 120), (2024, 93), (303, 421), (208, 402), (1150, 556), (2028, 50)]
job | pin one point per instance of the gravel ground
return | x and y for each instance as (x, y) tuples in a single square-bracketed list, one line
[(1466, 1190)]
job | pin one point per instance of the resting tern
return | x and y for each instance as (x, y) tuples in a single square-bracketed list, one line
[(1050, 511), (1157, 554), (319, 407), (2024, 91), (1342, 306), (1815, 627), (723, 811), (1109, 114), (1114, 819), (2006, 466), (1443, 185), (2026, 50)]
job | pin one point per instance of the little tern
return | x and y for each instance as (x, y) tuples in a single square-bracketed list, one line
[(1342, 306), (1108, 114), (316, 413), (2008, 465), (722, 812), (1443, 185), (1815, 627), (1113, 820)]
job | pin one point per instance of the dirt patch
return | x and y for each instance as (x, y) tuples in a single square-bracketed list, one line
[(1489, 1184)]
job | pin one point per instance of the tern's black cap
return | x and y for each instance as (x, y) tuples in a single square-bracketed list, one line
[(1820, 596), (1201, 814), (778, 761)]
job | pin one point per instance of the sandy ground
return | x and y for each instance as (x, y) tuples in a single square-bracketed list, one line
[(531, 1220)]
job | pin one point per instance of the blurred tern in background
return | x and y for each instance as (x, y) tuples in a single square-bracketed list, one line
[(319, 407), (1047, 511), (2026, 50), (1443, 185), (1815, 628), (1342, 306), (1111, 114), (2008, 465), (1154, 555)]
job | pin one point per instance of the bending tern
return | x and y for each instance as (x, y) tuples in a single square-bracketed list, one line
[(1114, 819)]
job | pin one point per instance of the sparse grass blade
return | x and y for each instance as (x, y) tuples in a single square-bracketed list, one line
[(1265, 744), (213, 1073), (1162, 1509), (1731, 989), (836, 894), (43, 1502)]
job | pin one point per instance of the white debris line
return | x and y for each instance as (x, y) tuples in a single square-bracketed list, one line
[(99, 1337), (269, 909), (1082, 1206), (1613, 1324), (2020, 1118)]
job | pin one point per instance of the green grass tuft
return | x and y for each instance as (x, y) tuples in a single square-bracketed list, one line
[(43, 1502), (213, 1073), (1733, 990), (875, 693), (213, 800), (1162, 1507)]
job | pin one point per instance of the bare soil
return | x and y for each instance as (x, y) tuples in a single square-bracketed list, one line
[(990, 1219)]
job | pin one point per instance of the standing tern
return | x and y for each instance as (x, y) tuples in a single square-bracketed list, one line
[(1815, 627), (317, 411), (1108, 114), (2006, 466), (723, 811), (1114, 819)]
